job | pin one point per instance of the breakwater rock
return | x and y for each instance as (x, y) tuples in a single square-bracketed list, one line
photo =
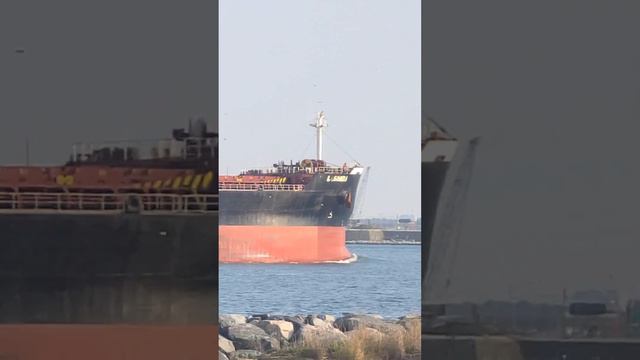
[(265, 336)]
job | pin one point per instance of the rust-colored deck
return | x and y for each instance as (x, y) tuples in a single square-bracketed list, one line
[(112, 342)]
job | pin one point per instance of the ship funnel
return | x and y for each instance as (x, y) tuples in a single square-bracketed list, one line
[(198, 128)]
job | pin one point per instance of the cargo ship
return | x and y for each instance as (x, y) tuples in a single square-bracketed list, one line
[(447, 169), (288, 213), (438, 148), (122, 234)]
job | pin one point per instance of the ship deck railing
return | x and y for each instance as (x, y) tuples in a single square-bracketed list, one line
[(298, 169), (259, 186), (112, 202), (333, 170)]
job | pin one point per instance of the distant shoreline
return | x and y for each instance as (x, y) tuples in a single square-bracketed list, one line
[(383, 237), (384, 242)]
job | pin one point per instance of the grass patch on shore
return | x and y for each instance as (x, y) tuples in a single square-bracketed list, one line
[(362, 344)]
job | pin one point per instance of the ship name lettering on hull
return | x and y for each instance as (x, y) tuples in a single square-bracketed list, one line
[(337, 178)]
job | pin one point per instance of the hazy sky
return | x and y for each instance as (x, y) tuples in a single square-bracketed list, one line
[(95, 70), (281, 61), (554, 89)]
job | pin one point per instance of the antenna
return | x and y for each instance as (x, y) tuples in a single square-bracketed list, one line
[(26, 143), (433, 121), (319, 125)]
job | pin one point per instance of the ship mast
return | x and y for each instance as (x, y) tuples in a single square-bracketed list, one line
[(319, 125)]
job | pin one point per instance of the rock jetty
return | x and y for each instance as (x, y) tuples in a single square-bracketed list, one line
[(265, 336)]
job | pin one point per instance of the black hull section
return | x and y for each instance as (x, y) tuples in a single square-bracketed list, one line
[(108, 268), (282, 208), (322, 203), (433, 176)]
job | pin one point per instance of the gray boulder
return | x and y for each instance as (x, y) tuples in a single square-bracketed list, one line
[(317, 322), (354, 322), (316, 334), (296, 318), (251, 337), (261, 316), (231, 319), (297, 321), (277, 328), (327, 318), (225, 345), (246, 354)]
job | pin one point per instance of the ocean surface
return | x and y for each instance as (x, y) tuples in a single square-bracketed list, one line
[(384, 280)]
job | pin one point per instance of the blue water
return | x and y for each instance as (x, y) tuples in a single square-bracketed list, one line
[(384, 280)]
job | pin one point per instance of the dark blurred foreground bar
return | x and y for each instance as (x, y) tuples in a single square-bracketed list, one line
[(98, 342), (445, 347)]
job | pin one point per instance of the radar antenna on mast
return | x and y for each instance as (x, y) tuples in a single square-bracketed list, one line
[(319, 125)]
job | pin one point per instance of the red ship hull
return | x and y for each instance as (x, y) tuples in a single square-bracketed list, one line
[(281, 244)]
